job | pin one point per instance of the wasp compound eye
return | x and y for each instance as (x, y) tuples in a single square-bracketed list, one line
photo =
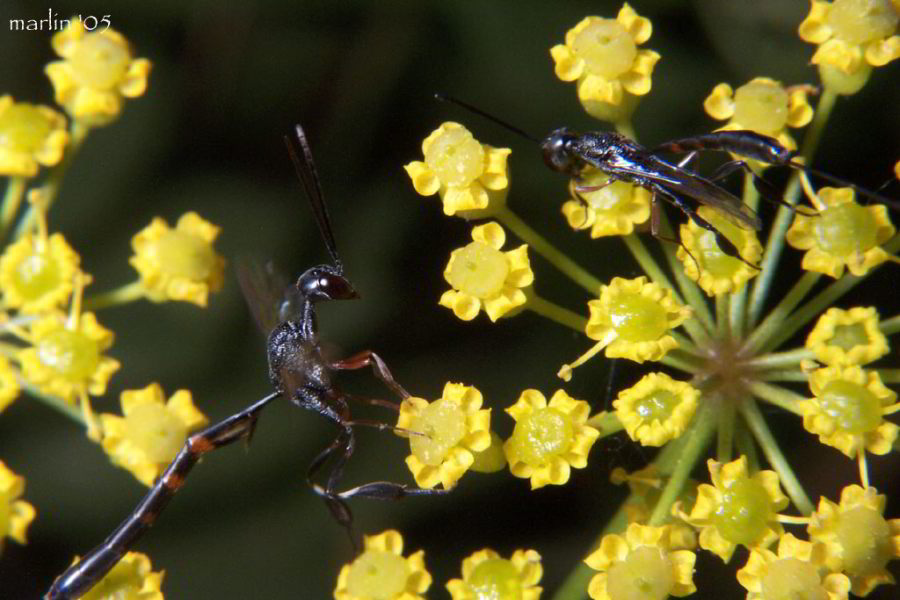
[(557, 154)]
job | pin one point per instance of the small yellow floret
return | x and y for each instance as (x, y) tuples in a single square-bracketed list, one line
[(656, 409), (487, 576), (151, 431), (15, 514), (9, 384), (30, 136), (131, 578), (96, 74), (848, 337), (179, 263), (381, 572), (485, 278), (549, 439), (37, 272), (470, 177), (452, 429), (614, 209)]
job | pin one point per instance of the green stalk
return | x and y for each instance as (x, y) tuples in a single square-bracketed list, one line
[(555, 313), (780, 360), (778, 396), (120, 295), (12, 200), (773, 323)]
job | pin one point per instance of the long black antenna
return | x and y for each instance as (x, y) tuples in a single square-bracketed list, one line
[(306, 173), (890, 202), (490, 117)]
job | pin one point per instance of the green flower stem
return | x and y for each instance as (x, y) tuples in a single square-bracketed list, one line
[(796, 375), (769, 445), (723, 322), (606, 422), (779, 396), (12, 200), (725, 431), (889, 375), (682, 362), (555, 313), (698, 437), (77, 133), (780, 360), (58, 404), (890, 326), (773, 323), (559, 260), (817, 125), (743, 439), (626, 129), (738, 315), (121, 295), (686, 345)]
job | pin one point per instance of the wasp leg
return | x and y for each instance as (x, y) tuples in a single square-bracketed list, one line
[(368, 358), (84, 574), (655, 218), (765, 188)]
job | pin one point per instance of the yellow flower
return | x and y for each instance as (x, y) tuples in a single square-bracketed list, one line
[(491, 459), (631, 320), (37, 272), (470, 177), (131, 578), (656, 409), (738, 509), (151, 432), (852, 37), (486, 575), (30, 135), (848, 337), (15, 514), (763, 105), (483, 277), (180, 263), (644, 563), (382, 573), (843, 234), (858, 539), (549, 439), (703, 260), (452, 429), (796, 571), (848, 408), (96, 73), (614, 209), (602, 55), (9, 384)]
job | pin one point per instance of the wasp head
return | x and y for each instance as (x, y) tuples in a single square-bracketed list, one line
[(325, 282), (557, 151)]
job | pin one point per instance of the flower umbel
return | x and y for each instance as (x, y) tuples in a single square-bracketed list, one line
[(30, 136), (15, 514), (487, 576), (450, 430), (381, 572), (151, 431), (848, 337), (656, 409), (549, 438)]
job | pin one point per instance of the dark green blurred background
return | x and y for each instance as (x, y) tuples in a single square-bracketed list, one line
[(229, 79)]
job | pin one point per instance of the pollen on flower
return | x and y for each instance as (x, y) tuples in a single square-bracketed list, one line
[(382, 572), (858, 540), (656, 409), (737, 509), (848, 337), (847, 410), (549, 439), (704, 262), (486, 575), (470, 177), (797, 570), (151, 431), (445, 434), (485, 278), (96, 74), (132, 577), (9, 384), (843, 234), (30, 136), (37, 272), (614, 209), (180, 263), (603, 57), (645, 563), (15, 514)]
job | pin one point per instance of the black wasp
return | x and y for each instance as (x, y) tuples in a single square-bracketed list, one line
[(623, 159), (298, 370)]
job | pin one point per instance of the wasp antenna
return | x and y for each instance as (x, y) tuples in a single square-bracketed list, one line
[(486, 115), (890, 202), (306, 173)]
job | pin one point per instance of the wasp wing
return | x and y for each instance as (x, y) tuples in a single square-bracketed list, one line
[(265, 290)]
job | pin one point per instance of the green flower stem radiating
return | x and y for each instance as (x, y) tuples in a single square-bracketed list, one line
[(555, 313), (775, 321), (685, 345), (817, 125), (12, 200), (723, 322), (780, 360), (121, 295), (683, 362), (725, 431), (738, 314), (58, 404), (770, 448), (77, 133), (626, 129), (743, 440), (779, 396), (606, 422), (796, 375), (890, 326), (559, 260)]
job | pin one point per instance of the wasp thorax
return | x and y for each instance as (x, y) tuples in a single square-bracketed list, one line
[(325, 282)]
